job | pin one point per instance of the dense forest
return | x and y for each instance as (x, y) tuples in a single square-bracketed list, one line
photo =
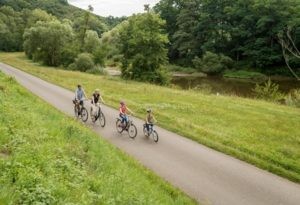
[(205, 35)]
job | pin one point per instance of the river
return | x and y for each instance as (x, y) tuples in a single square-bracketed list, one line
[(229, 86)]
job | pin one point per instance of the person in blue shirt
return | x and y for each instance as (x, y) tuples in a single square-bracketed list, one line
[(80, 95)]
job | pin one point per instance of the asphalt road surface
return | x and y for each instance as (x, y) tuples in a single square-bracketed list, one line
[(206, 175)]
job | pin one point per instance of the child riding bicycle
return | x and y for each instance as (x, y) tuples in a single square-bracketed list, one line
[(150, 120), (123, 113)]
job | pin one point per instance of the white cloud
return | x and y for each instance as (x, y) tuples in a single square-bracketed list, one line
[(114, 7)]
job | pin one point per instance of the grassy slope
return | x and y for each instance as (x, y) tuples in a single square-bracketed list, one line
[(258, 132), (49, 158)]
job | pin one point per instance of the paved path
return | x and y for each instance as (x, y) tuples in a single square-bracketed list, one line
[(207, 175)]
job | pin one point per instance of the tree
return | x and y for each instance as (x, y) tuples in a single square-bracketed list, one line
[(39, 15), (46, 40), (143, 45), (11, 29), (185, 37), (169, 11), (288, 42), (91, 41), (111, 41)]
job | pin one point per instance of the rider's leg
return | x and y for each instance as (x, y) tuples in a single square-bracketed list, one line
[(148, 127), (123, 119), (127, 120)]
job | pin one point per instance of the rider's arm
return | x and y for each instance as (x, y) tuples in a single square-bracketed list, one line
[(93, 99), (76, 95), (102, 99), (84, 94), (154, 119), (129, 110)]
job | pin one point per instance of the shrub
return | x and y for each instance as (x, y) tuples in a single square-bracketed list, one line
[(97, 70), (293, 98), (83, 62), (212, 63), (268, 91), (68, 55), (99, 56)]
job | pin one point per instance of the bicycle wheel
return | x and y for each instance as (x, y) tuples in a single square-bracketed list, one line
[(102, 119), (155, 136), (84, 114), (132, 131), (119, 127)]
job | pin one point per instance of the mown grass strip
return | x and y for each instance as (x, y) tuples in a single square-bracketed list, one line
[(48, 158), (264, 134)]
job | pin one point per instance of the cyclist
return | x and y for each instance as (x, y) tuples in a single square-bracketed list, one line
[(96, 97), (150, 120), (123, 113), (80, 96)]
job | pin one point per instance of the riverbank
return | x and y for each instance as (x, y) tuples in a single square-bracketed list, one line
[(258, 132), (48, 158)]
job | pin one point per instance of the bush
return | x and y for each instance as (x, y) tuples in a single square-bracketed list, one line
[(212, 63), (99, 56), (293, 98), (97, 70), (83, 62), (68, 55), (143, 70), (268, 91)]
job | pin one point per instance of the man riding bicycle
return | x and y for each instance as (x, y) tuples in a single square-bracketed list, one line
[(79, 96), (123, 110)]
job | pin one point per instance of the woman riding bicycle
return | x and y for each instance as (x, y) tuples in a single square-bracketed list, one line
[(96, 97)]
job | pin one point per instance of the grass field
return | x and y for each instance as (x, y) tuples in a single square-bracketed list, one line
[(48, 158), (264, 134)]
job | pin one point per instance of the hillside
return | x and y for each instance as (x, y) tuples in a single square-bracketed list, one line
[(48, 158), (59, 8)]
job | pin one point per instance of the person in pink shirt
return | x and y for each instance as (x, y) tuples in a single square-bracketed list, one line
[(123, 113)]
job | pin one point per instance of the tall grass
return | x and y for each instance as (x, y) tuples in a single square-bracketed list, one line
[(264, 134), (48, 158)]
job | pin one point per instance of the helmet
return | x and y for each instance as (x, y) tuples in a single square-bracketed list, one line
[(149, 110), (97, 90)]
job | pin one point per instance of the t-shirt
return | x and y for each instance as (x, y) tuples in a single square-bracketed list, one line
[(123, 109), (150, 118), (79, 94), (96, 97)]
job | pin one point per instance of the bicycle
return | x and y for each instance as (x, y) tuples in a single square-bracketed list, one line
[(129, 127), (151, 132), (80, 111), (98, 115)]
